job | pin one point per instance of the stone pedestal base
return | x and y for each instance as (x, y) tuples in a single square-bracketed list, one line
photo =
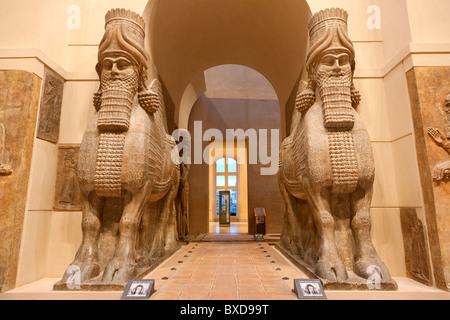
[(96, 284), (353, 282)]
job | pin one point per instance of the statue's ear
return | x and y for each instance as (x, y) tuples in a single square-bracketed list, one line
[(98, 94), (151, 99), (98, 68), (143, 79), (306, 98), (356, 97)]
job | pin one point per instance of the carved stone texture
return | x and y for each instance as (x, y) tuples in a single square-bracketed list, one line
[(428, 88), (128, 181), (447, 113), (19, 102), (3, 171), (67, 190), (442, 171), (182, 202), (416, 257), (326, 171), (50, 110)]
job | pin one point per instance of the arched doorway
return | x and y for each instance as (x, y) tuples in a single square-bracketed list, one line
[(232, 124)]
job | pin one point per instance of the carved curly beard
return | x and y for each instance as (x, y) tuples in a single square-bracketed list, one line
[(116, 103), (338, 115), (113, 124), (336, 94)]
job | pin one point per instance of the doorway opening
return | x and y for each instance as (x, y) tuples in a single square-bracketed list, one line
[(236, 118), (228, 173)]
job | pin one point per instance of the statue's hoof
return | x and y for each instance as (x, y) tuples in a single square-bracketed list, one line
[(90, 271), (158, 252), (78, 273), (143, 262), (331, 271), (173, 246), (118, 272), (284, 242), (124, 274), (366, 268), (291, 246)]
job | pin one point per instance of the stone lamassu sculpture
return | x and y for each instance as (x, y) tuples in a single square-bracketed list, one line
[(127, 179), (327, 171)]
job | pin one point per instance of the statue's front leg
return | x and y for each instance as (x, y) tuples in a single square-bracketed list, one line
[(366, 257), (291, 233), (86, 260), (329, 265), (122, 266), (185, 210), (165, 237)]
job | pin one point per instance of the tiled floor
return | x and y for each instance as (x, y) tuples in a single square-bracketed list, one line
[(233, 228), (227, 270)]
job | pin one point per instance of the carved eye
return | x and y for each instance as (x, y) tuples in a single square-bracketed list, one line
[(107, 65), (344, 60), (121, 65), (328, 61)]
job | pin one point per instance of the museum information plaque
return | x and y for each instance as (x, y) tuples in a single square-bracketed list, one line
[(139, 289), (309, 289)]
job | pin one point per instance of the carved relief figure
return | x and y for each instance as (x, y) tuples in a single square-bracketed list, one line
[(127, 179), (69, 188), (327, 171), (442, 170), (50, 113), (182, 201), (416, 256), (67, 196), (3, 171)]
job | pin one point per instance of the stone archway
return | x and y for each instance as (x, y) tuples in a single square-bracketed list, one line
[(188, 37)]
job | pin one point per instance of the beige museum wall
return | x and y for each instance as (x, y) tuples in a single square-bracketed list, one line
[(39, 200), (435, 14), (38, 220), (33, 35)]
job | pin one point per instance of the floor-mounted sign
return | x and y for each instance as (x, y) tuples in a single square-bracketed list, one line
[(139, 290), (309, 289)]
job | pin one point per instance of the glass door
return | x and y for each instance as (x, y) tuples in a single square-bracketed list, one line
[(226, 179)]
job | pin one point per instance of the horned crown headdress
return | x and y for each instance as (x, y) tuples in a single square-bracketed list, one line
[(328, 31), (124, 34)]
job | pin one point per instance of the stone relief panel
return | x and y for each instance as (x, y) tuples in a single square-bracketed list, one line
[(441, 171), (182, 202), (416, 257), (50, 109), (428, 89), (67, 190), (19, 101), (4, 171)]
